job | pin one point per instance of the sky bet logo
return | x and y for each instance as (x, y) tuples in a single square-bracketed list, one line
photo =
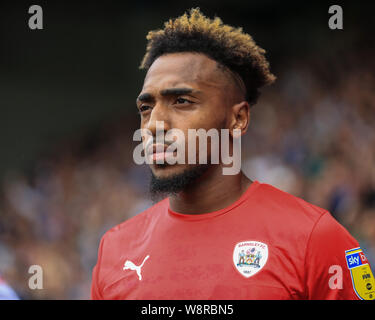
[(356, 258), (362, 279)]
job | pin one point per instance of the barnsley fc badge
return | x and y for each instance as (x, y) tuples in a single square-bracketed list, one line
[(249, 257), (362, 277)]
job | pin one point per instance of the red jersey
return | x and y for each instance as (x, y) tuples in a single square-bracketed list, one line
[(266, 245)]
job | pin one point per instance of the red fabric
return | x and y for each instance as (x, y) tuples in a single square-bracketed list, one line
[(191, 256)]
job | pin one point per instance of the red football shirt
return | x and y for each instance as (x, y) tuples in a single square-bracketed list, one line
[(267, 245)]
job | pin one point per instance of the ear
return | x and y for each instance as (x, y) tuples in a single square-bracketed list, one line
[(240, 117)]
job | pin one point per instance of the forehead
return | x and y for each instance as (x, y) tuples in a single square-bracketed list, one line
[(174, 69)]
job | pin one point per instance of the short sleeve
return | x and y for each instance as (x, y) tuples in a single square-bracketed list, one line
[(328, 275), (95, 289)]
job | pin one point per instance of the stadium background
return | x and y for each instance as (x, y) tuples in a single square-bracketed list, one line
[(67, 96)]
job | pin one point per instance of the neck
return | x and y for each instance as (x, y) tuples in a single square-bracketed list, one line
[(211, 192)]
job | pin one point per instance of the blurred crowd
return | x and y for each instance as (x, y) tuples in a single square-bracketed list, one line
[(311, 134)]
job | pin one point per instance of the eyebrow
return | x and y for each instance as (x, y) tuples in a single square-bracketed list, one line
[(146, 97), (177, 91)]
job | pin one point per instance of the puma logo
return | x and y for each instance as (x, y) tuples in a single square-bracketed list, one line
[(130, 265)]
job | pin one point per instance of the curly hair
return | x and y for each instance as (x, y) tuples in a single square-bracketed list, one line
[(229, 46)]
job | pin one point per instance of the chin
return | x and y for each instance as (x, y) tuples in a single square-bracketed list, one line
[(170, 180), (166, 171)]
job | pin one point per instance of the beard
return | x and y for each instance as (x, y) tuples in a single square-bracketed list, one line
[(164, 187)]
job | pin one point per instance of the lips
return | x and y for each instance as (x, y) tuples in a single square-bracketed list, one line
[(158, 152)]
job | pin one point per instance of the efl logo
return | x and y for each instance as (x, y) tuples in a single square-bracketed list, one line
[(362, 278)]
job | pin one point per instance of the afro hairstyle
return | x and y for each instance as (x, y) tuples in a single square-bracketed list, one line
[(229, 46)]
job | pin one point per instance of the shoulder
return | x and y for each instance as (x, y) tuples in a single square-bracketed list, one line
[(316, 223), (283, 205), (330, 235), (137, 224), (327, 275), (323, 225), (302, 226)]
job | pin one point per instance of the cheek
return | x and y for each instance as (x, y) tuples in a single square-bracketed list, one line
[(206, 117), (215, 115), (207, 123)]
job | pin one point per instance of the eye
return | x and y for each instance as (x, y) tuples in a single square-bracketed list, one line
[(144, 108), (183, 101)]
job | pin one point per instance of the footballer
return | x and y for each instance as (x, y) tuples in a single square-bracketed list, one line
[(212, 235)]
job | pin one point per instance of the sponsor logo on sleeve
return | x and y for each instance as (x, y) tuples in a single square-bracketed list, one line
[(362, 278)]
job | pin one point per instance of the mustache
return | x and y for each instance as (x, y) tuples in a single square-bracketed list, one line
[(152, 146)]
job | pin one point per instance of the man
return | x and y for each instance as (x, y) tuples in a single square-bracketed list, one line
[(202, 74)]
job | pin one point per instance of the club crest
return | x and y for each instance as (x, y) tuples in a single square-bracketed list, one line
[(249, 257)]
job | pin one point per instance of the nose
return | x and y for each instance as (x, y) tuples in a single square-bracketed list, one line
[(159, 119)]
